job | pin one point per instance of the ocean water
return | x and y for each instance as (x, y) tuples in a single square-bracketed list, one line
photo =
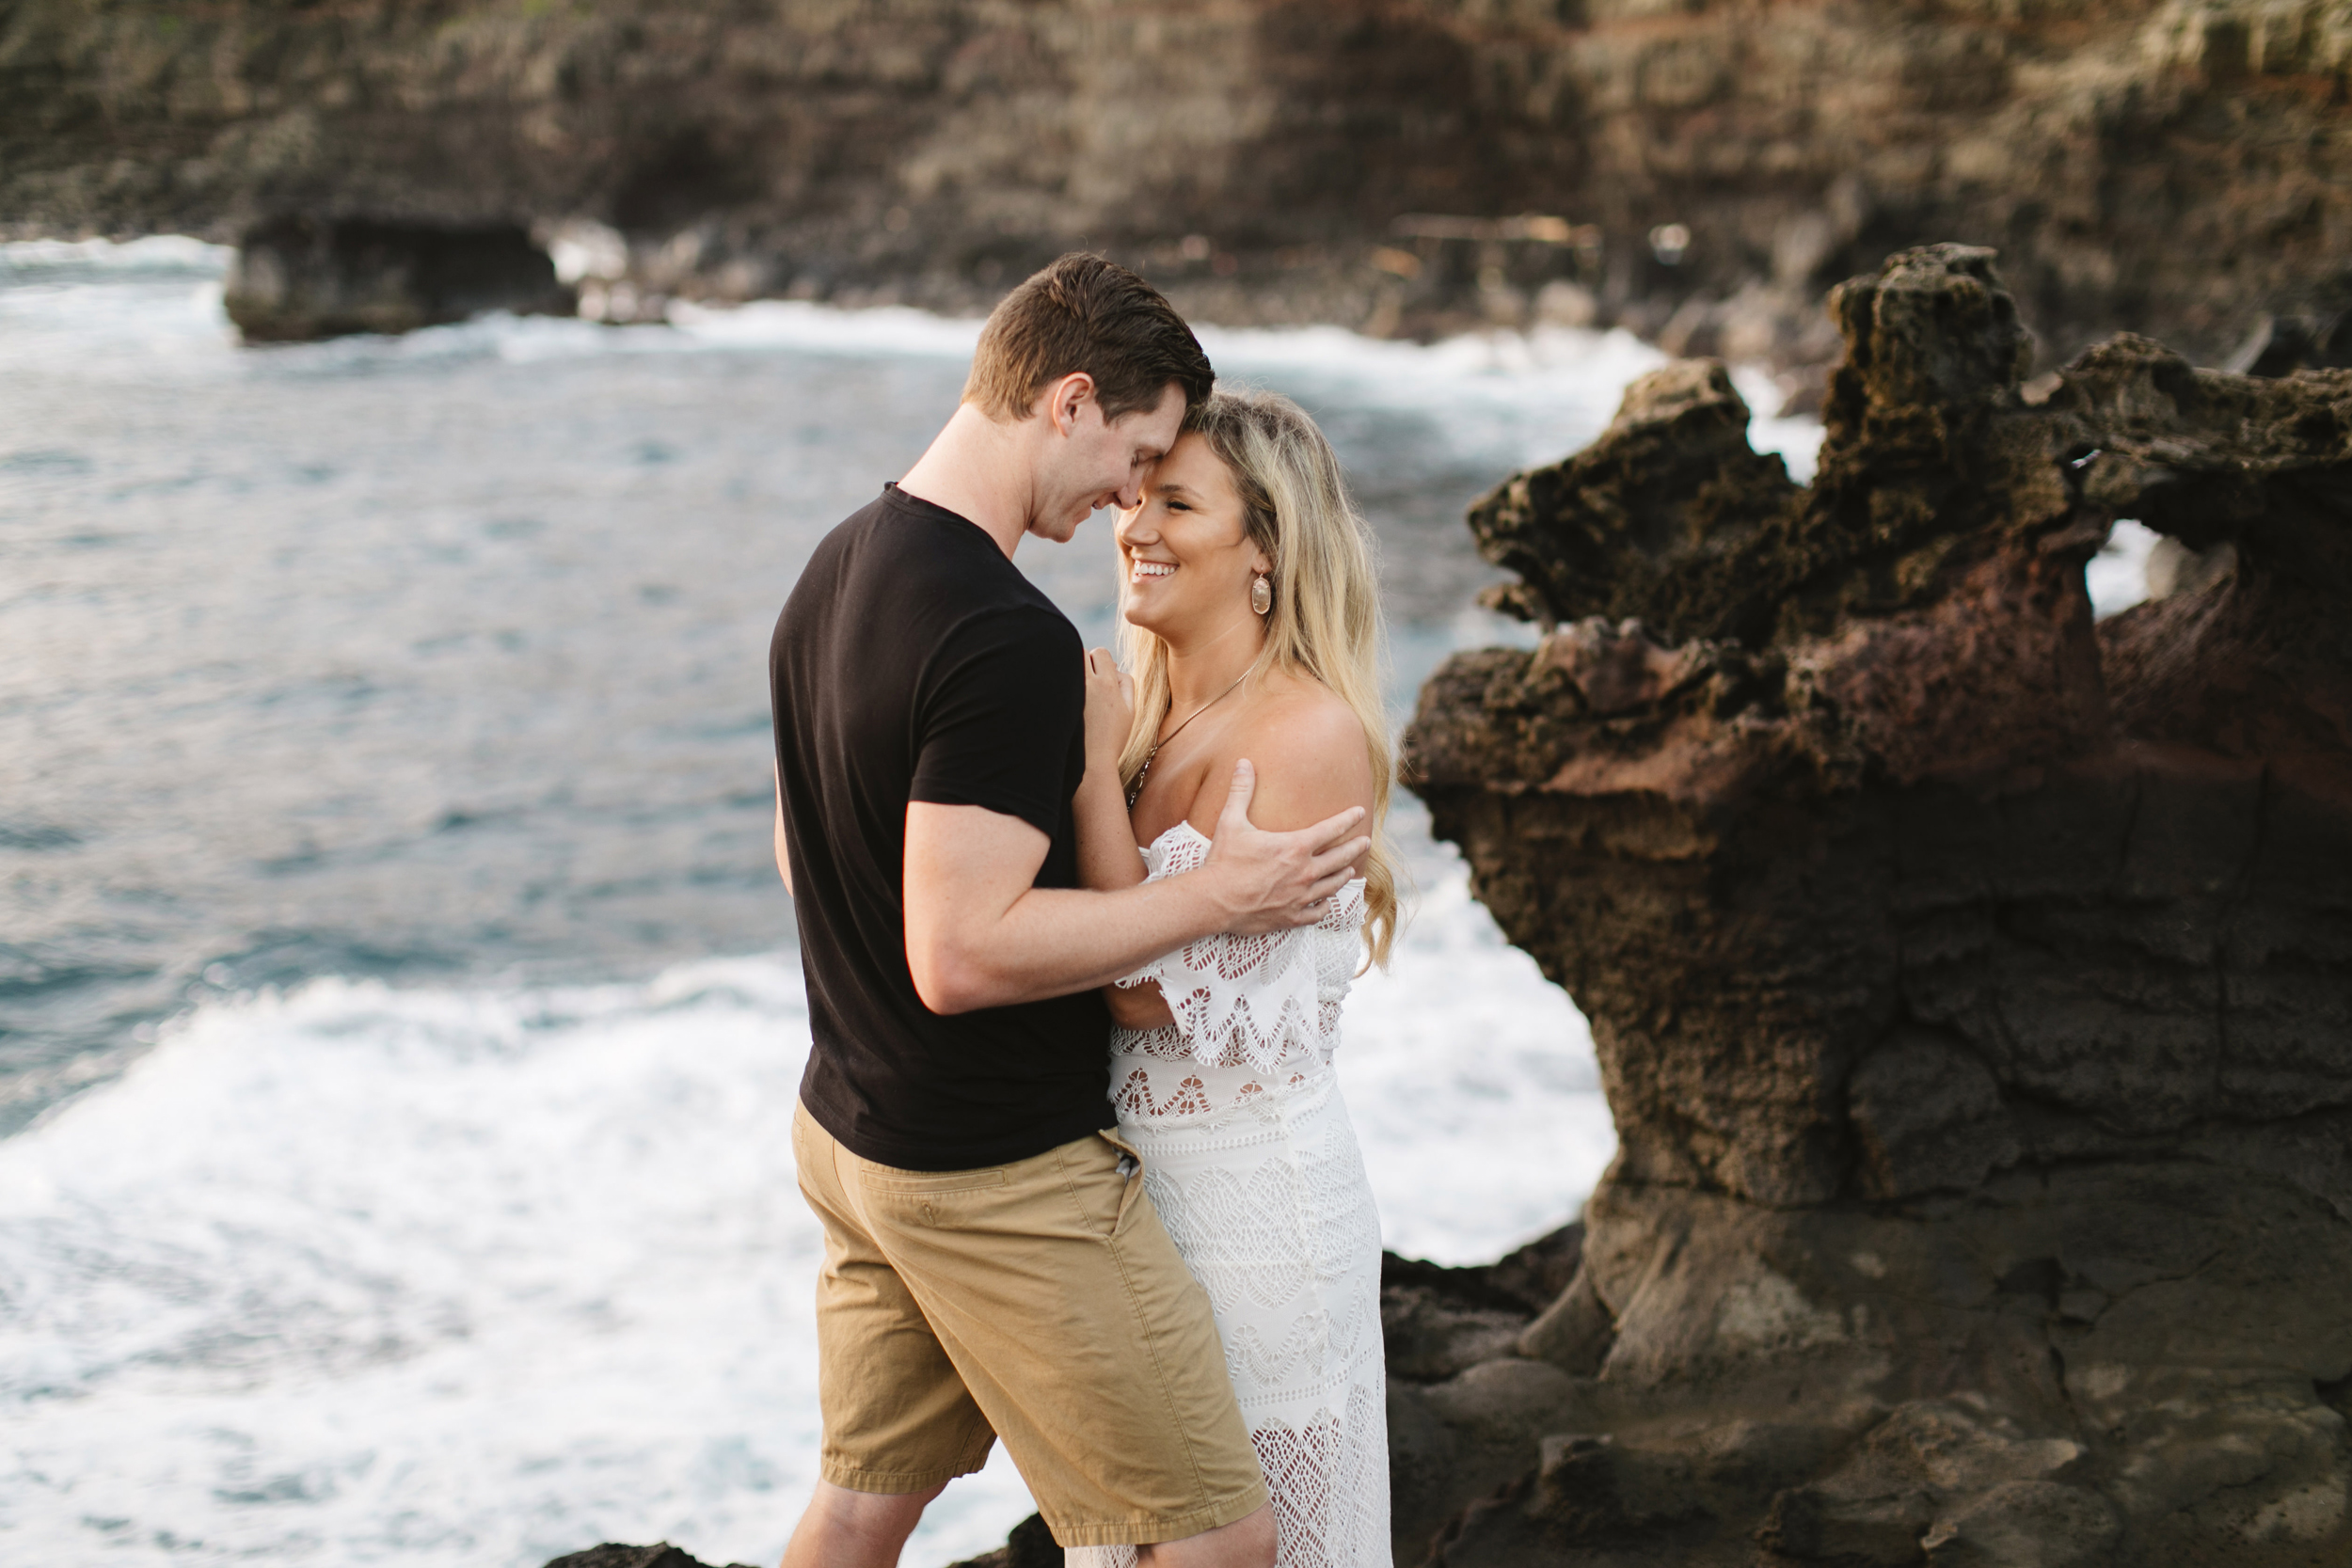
[(399, 1019)]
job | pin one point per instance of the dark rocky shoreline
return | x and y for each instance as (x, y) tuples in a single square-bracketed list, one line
[(1697, 172)]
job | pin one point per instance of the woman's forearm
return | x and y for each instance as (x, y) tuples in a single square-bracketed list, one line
[(1108, 862), (1108, 858)]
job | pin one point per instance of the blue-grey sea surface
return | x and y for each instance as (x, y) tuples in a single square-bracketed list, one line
[(444, 654)]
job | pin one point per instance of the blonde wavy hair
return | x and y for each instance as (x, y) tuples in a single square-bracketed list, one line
[(1326, 620)]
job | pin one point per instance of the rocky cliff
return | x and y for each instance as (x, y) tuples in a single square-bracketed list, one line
[(1698, 169), (1972, 982)]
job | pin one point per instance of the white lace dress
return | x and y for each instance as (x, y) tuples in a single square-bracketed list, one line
[(1250, 1158)]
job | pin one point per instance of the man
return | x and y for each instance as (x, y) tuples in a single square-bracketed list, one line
[(992, 1267)]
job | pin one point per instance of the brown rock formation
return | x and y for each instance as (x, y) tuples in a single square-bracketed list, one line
[(300, 277), (1031, 1545), (613, 1555), (2180, 166), (1972, 983)]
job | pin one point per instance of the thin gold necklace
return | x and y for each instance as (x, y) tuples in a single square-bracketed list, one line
[(1134, 790)]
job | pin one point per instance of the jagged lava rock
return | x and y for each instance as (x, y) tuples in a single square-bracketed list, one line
[(1030, 1545), (300, 277), (613, 1555), (1972, 983)]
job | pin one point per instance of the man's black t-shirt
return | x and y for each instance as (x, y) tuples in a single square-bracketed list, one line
[(914, 662)]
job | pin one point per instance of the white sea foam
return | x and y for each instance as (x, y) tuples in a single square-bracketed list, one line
[(2117, 577), (168, 254), (99, 311), (1539, 393), (363, 1275)]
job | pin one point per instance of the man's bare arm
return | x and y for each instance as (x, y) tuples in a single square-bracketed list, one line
[(979, 935)]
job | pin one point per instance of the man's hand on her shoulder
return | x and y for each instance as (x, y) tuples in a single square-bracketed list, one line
[(1274, 881)]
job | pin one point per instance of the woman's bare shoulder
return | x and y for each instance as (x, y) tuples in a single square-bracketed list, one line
[(1306, 747), (1301, 720)]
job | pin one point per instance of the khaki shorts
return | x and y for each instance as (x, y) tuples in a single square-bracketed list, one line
[(1041, 1302)]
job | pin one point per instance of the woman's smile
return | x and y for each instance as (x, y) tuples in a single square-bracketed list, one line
[(1191, 514)]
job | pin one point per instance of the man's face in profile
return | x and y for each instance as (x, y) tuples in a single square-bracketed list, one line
[(1102, 464)]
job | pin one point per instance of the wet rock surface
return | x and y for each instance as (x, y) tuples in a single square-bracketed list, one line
[(1699, 172), (1437, 1321), (612, 1555), (1031, 1545), (298, 277), (1972, 983)]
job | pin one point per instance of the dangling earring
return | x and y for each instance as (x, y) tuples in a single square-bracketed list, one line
[(1261, 593)]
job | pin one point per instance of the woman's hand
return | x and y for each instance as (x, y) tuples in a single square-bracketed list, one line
[(1107, 860), (1110, 713)]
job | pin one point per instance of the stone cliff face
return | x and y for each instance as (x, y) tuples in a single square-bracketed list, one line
[(1972, 983), (1700, 168)]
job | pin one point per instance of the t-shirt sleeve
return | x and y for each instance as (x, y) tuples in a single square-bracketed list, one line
[(1000, 708)]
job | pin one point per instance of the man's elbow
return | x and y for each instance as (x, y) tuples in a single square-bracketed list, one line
[(951, 979)]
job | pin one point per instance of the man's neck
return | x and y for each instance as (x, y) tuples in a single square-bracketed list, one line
[(1205, 668), (973, 468)]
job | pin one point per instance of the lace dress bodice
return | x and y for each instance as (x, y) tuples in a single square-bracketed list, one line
[(1253, 1167), (1252, 1013)]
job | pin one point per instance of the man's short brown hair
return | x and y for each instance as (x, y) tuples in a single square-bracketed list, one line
[(1084, 313)]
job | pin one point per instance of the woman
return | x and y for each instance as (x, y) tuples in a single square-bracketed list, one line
[(1252, 626)]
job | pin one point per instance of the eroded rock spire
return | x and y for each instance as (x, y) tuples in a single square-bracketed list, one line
[(1972, 982)]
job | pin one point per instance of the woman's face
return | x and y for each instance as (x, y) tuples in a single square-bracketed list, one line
[(1188, 561)]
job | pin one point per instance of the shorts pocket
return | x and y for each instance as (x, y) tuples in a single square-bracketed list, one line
[(1108, 1182), (1130, 1164)]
